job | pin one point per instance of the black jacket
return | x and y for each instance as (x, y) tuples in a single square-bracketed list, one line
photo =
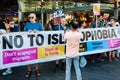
[(2, 25)]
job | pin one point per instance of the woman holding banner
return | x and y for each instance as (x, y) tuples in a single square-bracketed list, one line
[(113, 23), (33, 26), (7, 25), (10, 27), (72, 50), (97, 24)]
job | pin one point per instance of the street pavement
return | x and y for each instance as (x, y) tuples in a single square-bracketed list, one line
[(93, 71)]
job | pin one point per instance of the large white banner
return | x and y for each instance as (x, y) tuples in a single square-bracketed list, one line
[(22, 48)]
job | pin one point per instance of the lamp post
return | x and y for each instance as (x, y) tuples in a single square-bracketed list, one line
[(42, 16), (116, 6)]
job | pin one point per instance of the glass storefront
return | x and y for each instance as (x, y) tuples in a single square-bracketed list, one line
[(80, 10)]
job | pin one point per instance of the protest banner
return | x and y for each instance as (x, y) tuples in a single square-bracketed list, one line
[(23, 48)]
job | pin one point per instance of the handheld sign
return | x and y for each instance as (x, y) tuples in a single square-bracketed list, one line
[(57, 15), (96, 9)]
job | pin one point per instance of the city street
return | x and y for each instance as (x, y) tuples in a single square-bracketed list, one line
[(34, 31), (93, 71)]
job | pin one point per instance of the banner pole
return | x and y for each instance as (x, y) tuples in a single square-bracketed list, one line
[(96, 22)]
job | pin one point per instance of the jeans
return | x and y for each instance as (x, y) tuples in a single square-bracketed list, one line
[(76, 66)]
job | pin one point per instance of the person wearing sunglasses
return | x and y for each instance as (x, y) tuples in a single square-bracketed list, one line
[(33, 26)]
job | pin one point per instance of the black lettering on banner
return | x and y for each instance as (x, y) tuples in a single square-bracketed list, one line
[(31, 36), (94, 37), (61, 39), (105, 34), (7, 42), (83, 38), (108, 33), (113, 34), (54, 37), (99, 34), (39, 39), (88, 34), (16, 41), (49, 39)]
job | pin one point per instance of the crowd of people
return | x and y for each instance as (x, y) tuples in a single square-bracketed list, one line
[(8, 26), (72, 45)]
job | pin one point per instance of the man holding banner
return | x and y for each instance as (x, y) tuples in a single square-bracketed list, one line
[(60, 23), (60, 27), (33, 26), (97, 24)]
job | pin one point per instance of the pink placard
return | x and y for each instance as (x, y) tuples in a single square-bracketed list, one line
[(22, 55), (114, 43), (96, 12)]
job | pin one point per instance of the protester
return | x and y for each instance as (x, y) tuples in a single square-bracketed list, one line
[(99, 23), (82, 24), (112, 54), (14, 27), (33, 26), (2, 31), (60, 27), (7, 25), (49, 26), (111, 21), (72, 50), (2, 25), (10, 27)]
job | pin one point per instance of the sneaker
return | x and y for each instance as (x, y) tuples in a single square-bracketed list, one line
[(7, 72)]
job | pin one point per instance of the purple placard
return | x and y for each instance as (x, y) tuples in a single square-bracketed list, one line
[(12, 56)]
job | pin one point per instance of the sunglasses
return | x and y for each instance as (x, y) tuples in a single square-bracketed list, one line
[(31, 17)]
